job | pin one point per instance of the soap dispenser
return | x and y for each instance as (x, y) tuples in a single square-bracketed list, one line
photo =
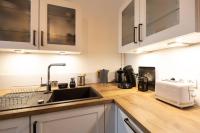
[(72, 83)]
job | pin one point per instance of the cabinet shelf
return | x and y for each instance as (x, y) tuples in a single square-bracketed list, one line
[(25, 12), (163, 16), (17, 36), (18, 31)]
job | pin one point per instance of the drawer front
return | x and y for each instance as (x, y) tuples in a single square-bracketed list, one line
[(125, 124)]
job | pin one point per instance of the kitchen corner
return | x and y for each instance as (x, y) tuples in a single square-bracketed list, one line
[(128, 66)]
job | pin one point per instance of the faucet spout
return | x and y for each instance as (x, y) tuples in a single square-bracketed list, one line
[(48, 75)]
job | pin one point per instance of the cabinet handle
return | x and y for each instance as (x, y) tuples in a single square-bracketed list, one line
[(34, 37), (135, 38), (42, 38), (126, 120), (140, 32), (34, 126)]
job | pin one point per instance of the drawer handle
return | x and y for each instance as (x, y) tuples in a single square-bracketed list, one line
[(34, 126), (126, 120)]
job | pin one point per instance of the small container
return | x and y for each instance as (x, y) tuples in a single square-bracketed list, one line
[(81, 80), (103, 76), (72, 83), (54, 83), (63, 85)]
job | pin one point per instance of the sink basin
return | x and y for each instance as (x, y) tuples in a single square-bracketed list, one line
[(76, 94)]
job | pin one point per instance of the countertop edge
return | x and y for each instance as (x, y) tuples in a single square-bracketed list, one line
[(26, 112)]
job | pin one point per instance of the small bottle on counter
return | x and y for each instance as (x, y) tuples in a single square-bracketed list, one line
[(72, 83)]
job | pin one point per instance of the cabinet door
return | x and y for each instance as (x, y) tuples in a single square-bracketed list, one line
[(125, 125), (81, 120), (128, 22), (59, 26), (165, 19), (19, 125), (19, 24)]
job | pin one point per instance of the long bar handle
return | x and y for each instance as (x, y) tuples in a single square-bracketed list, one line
[(126, 120), (35, 127), (42, 38), (135, 33), (140, 32), (34, 37)]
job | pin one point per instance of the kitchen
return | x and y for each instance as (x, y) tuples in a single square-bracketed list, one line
[(25, 66)]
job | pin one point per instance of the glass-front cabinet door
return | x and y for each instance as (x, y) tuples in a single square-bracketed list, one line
[(128, 21), (164, 19), (59, 26), (19, 24)]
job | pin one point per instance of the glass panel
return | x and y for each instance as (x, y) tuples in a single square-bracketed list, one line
[(61, 25), (15, 20), (161, 15), (128, 24)]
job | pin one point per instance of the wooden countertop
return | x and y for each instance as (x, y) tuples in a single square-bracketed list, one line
[(156, 116), (142, 107)]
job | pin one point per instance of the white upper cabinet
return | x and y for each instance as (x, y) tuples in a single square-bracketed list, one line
[(165, 19), (128, 22), (162, 23), (19, 24), (59, 25), (40, 25)]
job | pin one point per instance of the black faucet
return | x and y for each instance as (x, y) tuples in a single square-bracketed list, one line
[(48, 75)]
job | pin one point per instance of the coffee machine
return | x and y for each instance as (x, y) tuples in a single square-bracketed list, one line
[(128, 77)]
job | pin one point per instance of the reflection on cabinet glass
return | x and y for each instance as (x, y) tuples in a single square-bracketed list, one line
[(161, 15), (61, 25), (128, 24), (15, 20)]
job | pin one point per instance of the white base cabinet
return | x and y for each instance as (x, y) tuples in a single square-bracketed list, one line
[(81, 120), (19, 125), (106, 118)]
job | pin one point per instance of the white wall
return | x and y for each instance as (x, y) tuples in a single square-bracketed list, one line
[(99, 38), (182, 63)]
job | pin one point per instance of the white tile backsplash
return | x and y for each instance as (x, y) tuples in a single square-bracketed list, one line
[(180, 63)]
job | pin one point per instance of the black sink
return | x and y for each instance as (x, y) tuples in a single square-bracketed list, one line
[(76, 94)]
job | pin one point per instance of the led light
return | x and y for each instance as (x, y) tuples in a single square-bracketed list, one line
[(63, 53), (19, 51), (175, 44), (139, 51), (179, 40)]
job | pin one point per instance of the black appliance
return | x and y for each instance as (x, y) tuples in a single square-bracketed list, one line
[(143, 84), (129, 78), (146, 78), (119, 76)]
